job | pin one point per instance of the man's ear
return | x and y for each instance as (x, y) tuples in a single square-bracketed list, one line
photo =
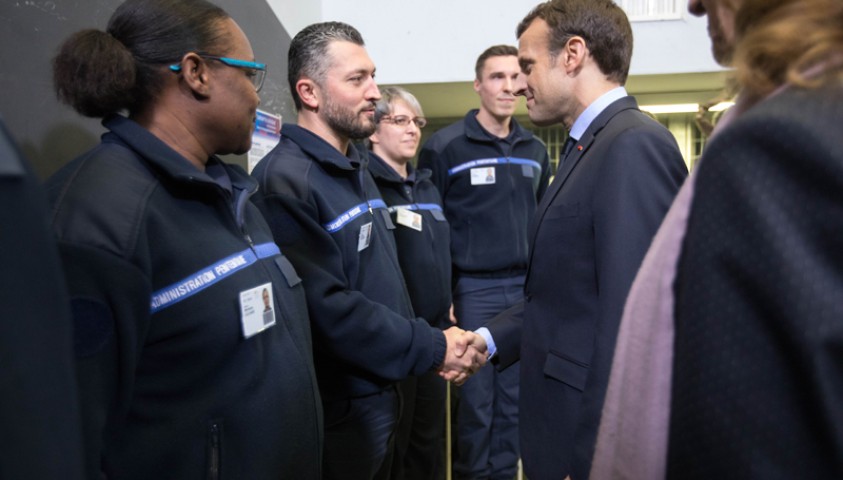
[(477, 85), (573, 54), (308, 91), (196, 74)]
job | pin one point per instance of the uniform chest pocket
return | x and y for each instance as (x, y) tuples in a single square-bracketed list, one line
[(562, 210)]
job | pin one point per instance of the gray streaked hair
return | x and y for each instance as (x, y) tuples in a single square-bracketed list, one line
[(308, 54), (388, 97)]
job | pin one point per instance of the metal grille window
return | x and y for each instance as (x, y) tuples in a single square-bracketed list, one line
[(644, 10), (553, 137)]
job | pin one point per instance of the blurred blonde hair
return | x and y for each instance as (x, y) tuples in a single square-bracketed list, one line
[(799, 42)]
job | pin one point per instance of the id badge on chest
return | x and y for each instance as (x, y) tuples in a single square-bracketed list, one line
[(483, 176), (408, 218), (365, 237), (257, 309)]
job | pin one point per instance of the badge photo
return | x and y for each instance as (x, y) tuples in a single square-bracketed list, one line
[(257, 311)]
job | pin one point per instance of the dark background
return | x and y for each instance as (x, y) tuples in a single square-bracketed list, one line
[(51, 134)]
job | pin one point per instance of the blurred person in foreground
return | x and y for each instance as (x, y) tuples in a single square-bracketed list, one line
[(39, 407), (735, 316), (180, 374)]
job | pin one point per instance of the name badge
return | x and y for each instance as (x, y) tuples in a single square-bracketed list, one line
[(483, 176), (365, 237), (409, 218), (257, 309)]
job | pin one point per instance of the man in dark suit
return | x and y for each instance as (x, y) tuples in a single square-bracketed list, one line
[(616, 179)]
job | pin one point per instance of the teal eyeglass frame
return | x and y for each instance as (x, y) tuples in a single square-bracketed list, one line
[(258, 68)]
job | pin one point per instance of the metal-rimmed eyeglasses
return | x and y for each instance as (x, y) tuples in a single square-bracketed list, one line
[(404, 120), (255, 71)]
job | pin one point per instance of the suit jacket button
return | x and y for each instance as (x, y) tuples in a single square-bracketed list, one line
[(528, 297)]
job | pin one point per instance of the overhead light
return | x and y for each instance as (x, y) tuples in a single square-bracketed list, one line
[(671, 108), (721, 106)]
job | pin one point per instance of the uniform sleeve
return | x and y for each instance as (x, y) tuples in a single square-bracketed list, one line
[(641, 176), (346, 324), (111, 310)]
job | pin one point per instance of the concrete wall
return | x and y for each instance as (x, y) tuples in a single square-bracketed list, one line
[(296, 14)]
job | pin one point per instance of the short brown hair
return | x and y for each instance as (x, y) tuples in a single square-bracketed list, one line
[(601, 23), (495, 51)]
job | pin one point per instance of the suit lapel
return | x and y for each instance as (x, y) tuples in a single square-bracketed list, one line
[(579, 151)]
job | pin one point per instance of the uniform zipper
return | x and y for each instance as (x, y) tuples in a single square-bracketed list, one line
[(214, 454)]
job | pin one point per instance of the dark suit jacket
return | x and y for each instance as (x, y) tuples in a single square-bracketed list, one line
[(758, 367), (589, 235)]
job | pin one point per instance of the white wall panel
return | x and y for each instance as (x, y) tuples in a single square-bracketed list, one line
[(432, 41)]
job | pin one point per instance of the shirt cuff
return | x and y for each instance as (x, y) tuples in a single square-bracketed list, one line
[(490, 342)]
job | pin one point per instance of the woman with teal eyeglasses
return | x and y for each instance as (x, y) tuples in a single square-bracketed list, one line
[(170, 268)]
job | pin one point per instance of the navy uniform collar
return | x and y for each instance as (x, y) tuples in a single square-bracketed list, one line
[(475, 131), (382, 171), (169, 162), (322, 151)]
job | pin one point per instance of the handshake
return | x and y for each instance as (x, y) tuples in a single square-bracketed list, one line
[(466, 353)]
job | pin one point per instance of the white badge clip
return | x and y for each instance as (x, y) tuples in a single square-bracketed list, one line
[(257, 311)]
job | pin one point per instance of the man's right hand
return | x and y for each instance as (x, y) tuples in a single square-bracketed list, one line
[(465, 354)]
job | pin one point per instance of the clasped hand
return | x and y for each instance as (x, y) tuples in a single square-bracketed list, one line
[(466, 353)]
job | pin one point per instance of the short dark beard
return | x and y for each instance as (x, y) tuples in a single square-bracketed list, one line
[(348, 123)]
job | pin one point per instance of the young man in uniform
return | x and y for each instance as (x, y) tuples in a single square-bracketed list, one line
[(491, 173)]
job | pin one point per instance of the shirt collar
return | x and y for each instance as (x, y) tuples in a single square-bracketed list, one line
[(589, 114)]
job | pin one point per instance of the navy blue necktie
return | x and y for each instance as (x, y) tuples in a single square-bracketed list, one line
[(566, 149)]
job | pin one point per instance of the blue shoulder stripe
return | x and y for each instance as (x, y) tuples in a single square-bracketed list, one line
[(204, 278), (336, 224), (416, 206), (480, 162)]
